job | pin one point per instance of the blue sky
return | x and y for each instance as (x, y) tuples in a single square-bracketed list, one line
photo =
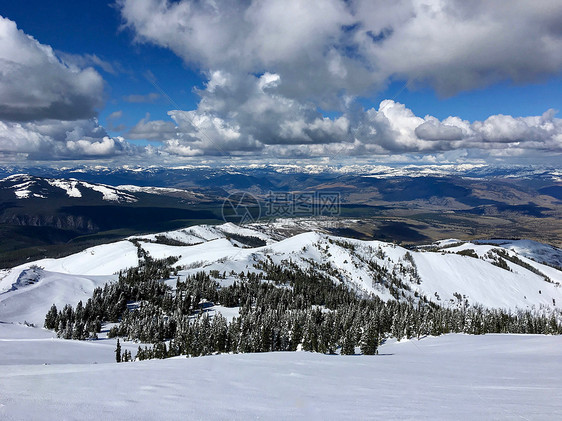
[(151, 80), (93, 27)]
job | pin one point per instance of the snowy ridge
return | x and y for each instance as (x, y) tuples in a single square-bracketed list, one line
[(202, 233), (494, 376), (367, 267), (110, 193), (25, 186), (21, 186), (476, 169), (69, 186), (542, 253)]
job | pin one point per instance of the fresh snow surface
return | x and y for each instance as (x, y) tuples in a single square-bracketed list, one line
[(495, 377), (31, 302), (106, 259), (482, 283), (542, 253), (69, 186), (110, 193), (201, 233), (23, 345)]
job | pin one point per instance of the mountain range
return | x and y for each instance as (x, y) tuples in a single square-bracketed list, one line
[(496, 274), (60, 211)]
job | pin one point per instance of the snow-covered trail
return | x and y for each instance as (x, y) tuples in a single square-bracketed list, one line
[(450, 377)]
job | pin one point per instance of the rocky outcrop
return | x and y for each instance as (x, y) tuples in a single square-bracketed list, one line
[(67, 222)]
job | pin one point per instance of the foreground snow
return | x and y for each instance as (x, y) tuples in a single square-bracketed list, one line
[(449, 377)]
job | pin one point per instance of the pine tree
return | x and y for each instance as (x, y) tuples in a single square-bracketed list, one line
[(51, 318), (118, 352), (369, 340), (348, 344)]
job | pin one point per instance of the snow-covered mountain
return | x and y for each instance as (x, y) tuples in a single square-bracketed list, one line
[(24, 186), (450, 273), (478, 170), (538, 252), (411, 378)]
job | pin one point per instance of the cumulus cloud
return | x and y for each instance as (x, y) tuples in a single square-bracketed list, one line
[(55, 139), (241, 115), (288, 37), (321, 47), (433, 129), (35, 84), (49, 102), (272, 66), (152, 129)]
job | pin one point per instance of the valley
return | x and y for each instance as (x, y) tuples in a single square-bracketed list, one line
[(60, 212)]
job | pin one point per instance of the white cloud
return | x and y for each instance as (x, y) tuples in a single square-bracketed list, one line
[(273, 65), (508, 129), (97, 148), (323, 47), (433, 129), (115, 115), (147, 129), (241, 115), (35, 84), (54, 139), (49, 102)]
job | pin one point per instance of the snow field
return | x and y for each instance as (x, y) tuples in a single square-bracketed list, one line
[(500, 377)]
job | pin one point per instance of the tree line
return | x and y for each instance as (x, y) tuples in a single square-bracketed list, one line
[(281, 308)]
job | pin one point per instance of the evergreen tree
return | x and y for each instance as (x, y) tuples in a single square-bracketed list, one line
[(295, 308), (118, 352), (51, 318), (369, 340), (348, 344)]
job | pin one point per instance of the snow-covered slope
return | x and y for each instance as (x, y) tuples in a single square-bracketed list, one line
[(450, 377), (202, 233), (499, 377), (368, 267), (25, 186), (539, 252)]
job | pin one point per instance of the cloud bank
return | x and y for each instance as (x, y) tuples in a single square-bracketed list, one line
[(48, 105), (35, 84), (273, 65), (323, 47), (56, 139), (249, 114)]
